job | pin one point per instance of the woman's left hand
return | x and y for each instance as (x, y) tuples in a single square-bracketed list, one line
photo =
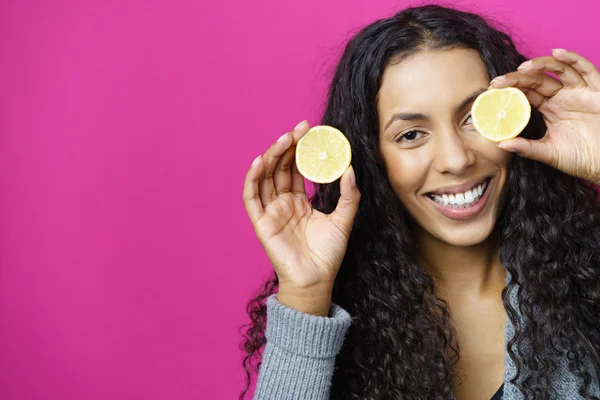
[(571, 108)]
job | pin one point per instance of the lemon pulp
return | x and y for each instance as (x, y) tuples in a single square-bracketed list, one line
[(323, 154), (501, 114)]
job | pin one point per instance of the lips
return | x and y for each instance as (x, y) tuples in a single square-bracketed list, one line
[(466, 212), (461, 188)]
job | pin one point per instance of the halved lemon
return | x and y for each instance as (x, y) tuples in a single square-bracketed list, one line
[(501, 114), (323, 154)]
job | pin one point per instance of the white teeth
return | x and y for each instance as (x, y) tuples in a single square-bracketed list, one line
[(441, 199), (469, 196), (461, 200)]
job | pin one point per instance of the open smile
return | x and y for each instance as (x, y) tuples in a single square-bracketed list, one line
[(461, 203)]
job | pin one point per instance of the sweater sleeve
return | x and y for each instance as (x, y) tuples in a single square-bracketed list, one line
[(299, 356)]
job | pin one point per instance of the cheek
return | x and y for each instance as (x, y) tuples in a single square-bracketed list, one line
[(491, 152), (499, 157), (406, 172)]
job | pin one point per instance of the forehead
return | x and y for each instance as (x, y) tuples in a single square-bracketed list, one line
[(431, 79)]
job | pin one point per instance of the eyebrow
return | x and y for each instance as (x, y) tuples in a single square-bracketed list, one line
[(408, 116)]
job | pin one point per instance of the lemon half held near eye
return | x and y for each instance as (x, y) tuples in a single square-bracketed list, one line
[(501, 114), (323, 154)]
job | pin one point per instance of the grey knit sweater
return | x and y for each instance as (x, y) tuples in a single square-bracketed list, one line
[(298, 360)]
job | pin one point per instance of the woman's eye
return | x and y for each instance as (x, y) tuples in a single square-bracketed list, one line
[(410, 136), (469, 121)]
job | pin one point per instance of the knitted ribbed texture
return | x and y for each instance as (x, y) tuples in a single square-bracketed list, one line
[(299, 357)]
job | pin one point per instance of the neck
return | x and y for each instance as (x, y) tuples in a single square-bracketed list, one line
[(462, 272)]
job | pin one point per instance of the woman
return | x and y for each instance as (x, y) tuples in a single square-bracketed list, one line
[(387, 290)]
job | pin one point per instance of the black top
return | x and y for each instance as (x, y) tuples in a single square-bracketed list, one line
[(499, 393)]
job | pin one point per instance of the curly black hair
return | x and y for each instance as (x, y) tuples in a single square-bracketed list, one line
[(549, 242)]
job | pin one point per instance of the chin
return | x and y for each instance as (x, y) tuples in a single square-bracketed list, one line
[(464, 236)]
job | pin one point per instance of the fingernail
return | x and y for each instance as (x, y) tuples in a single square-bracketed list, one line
[(256, 160), (526, 64), (299, 125), (352, 176), (281, 137), (558, 50), (497, 79)]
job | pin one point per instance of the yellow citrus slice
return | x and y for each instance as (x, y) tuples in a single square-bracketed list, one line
[(501, 114), (323, 154)]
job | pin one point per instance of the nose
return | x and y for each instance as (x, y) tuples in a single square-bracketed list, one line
[(452, 153)]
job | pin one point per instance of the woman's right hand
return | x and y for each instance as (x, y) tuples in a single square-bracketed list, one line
[(305, 246)]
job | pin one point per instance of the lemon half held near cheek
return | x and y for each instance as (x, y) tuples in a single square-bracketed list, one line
[(501, 114), (323, 154)]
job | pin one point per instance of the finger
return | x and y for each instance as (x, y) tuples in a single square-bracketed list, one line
[(250, 195), (586, 69), (283, 175), (535, 99), (540, 82), (298, 185), (300, 130), (567, 74), (347, 206), (539, 150), (267, 190)]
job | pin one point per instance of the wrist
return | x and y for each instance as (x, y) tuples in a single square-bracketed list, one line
[(314, 301)]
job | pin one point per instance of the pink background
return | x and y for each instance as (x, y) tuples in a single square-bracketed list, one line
[(126, 129)]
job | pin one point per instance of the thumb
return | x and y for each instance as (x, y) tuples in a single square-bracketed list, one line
[(343, 215), (538, 150)]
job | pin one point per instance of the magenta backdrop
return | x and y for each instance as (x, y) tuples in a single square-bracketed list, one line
[(126, 129)]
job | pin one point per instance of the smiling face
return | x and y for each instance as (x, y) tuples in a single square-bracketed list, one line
[(433, 155)]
